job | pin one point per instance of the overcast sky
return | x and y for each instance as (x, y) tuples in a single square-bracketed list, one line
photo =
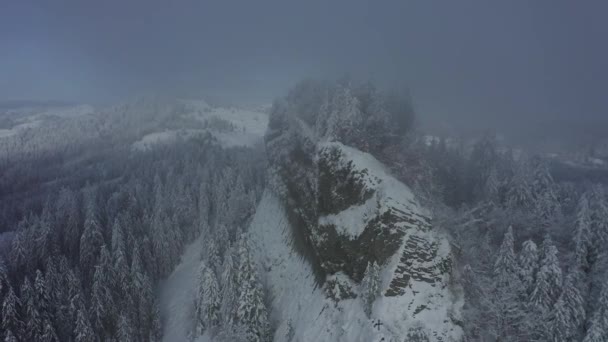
[(462, 60)]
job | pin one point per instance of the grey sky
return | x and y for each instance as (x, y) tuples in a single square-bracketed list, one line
[(462, 60)]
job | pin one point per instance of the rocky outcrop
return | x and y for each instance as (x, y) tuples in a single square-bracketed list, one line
[(346, 211)]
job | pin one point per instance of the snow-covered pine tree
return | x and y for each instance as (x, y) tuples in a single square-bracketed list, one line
[(32, 319), (18, 255), (228, 288), (9, 336), (211, 255), (600, 217), (208, 300), (251, 309), (568, 313), (582, 233), (528, 265), (549, 278), (547, 288), (478, 308), (83, 332), (597, 330), (508, 291), (519, 194), (101, 309), (45, 238), (43, 303), (121, 272), (11, 308), (75, 300), (125, 328), (90, 244), (370, 287), (48, 332)]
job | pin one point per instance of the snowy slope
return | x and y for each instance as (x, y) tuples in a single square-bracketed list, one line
[(177, 295)]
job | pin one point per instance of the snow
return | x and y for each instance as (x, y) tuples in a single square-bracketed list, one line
[(247, 127), (353, 220), (389, 194), (148, 141), (177, 294), (296, 297)]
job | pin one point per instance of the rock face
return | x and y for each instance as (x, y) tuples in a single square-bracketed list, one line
[(346, 211)]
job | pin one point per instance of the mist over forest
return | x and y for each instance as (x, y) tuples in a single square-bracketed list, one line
[(303, 171)]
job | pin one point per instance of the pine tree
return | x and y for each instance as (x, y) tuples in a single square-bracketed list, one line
[(251, 311), (211, 255), (118, 238), (125, 330), (102, 304), (208, 300), (83, 331), (505, 266), (519, 194), (11, 307), (228, 287), (48, 332), (75, 299), (9, 337), (598, 325), (370, 287), (547, 288), (32, 317), (549, 279), (18, 256), (121, 272), (90, 244), (529, 264), (600, 217), (45, 236), (582, 233), (508, 290), (569, 312)]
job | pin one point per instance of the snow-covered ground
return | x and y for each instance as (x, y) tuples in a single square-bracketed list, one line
[(177, 295)]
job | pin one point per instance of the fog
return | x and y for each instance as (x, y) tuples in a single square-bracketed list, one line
[(467, 64)]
